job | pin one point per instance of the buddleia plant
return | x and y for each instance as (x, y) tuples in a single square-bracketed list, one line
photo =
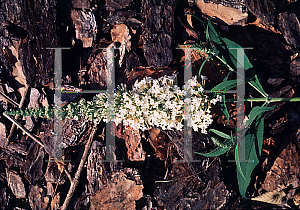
[(150, 103)]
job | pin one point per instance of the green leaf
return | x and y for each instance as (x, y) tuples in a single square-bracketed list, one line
[(252, 79), (202, 65), (255, 112), (226, 78), (224, 107), (220, 133), (221, 149), (223, 146), (227, 143), (212, 33), (221, 47), (227, 85), (216, 152), (230, 56), (248, 159)]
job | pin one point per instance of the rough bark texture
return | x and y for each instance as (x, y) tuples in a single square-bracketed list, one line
[(32, 24), (224, 12), (268, 10), (158, 28), (120, 192), (290, 27), (284, 171)]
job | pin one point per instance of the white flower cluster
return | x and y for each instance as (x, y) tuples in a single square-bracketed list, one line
[(156, 102)]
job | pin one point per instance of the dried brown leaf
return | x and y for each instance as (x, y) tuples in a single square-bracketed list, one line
[(271, 197)]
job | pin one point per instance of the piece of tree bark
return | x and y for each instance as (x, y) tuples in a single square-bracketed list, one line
[(37, 199), (85, 26), (230, 14), (119, 193), (34, 171), (31, 26), (295, 67), (134, 146), (157, 29), (81, 4), (16, 184), (290, 27), (284, 171), (267, 10)]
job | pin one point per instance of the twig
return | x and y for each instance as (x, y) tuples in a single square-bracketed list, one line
[(75, 181), (9, 99), (23, 129), (68, 174), (16, 117), (102, 134)]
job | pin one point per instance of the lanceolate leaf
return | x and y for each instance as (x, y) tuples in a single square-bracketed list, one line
[(212, 33), (223, 147), (252, 78), (221, 47), (224, 107), (216, 152), (226, 78), (248, 159), (227, 85), (213, 37), (228, 54), (255, 112), (223, 103), (219, 133)]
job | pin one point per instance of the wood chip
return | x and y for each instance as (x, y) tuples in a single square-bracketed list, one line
[(36, 199), (133, 143), (15, 183), (225, 14), (34, 171), (158, 30), (290, 27), (120, 33), (119, 193), (85, 26), (2, 135), (284, 171)]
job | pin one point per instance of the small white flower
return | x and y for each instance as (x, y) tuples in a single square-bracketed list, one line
[(187, 100), (214, 101), (204, 77), (200, 89), (153, 103)]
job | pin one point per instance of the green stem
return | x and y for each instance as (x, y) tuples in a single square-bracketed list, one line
[(266, 99), (229, 67), (257, 89)]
